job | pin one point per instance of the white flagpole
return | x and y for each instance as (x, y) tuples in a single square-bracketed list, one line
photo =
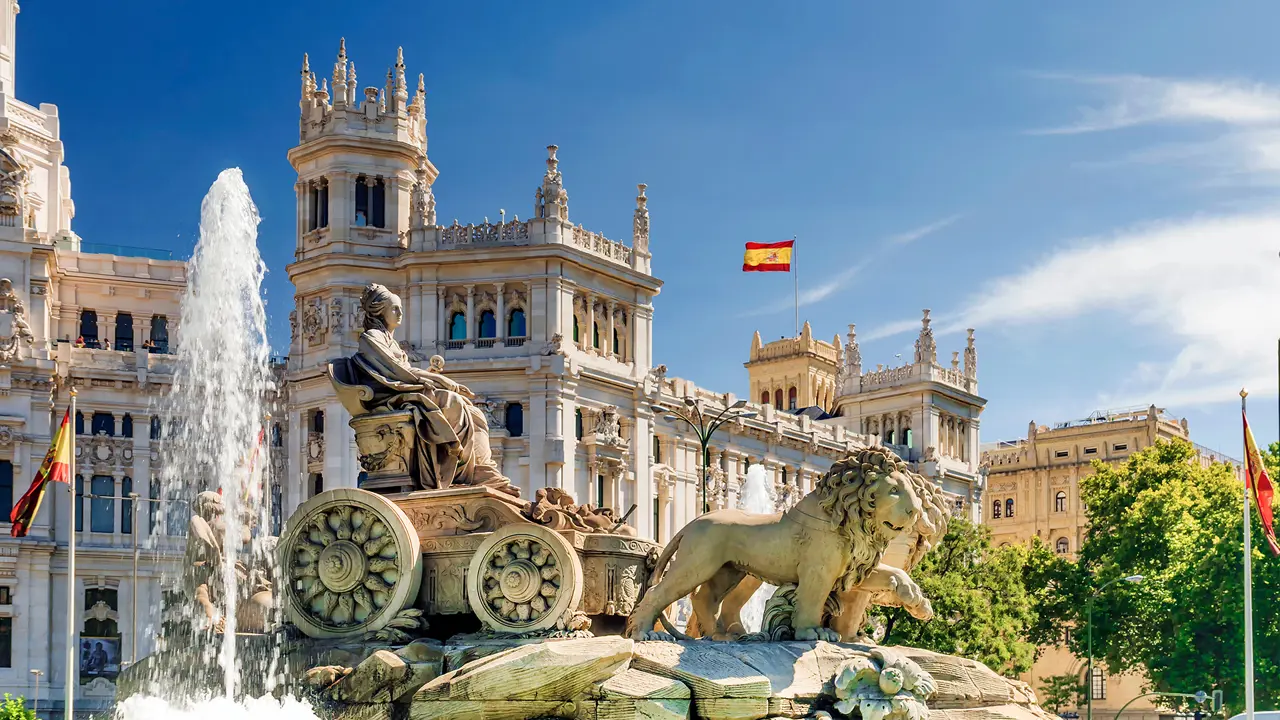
[(795, 277), (72, 679), (1248, 585)]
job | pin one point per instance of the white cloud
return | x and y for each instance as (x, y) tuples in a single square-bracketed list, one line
[(1141, 100), (913, 235), (1208, 286), (810, 294)]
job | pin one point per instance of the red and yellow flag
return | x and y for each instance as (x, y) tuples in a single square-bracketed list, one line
[(768, 257), (55, 468), (1256, 478)]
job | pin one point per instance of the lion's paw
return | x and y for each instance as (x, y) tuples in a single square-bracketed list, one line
[(818, 633), (922, 611), (654, 636)]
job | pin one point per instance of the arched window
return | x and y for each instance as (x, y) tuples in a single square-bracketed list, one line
[(577, 423), (1060, 502), (104, 422), (488, 324), (777, 398), (89, 327), (906, 437), (1063, 546), (888, 437), (657, 449), (317, 484), (317, 421), (791, 399), (514, 419), (371, 202), (575, 330), (515, 324), (458, 326), (124, 332), (126, 426), (1008, 508), (595, 334), (764, 397), (995, 509)]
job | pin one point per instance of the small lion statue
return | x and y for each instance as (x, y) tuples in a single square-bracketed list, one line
[(832, 540)]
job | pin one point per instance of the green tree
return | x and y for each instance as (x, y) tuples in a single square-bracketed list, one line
[(1059, 692), (1164, 516), (15, 708), (982, 609)]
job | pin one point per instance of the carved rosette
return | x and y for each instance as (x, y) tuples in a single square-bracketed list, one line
[(524, 579), (353, 563)]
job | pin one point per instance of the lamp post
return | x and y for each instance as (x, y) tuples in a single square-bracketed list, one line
[(1089, 610), (35, 704), (133, 627), (705, 426)]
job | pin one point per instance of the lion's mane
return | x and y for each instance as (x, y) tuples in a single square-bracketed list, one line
[(847, 494)]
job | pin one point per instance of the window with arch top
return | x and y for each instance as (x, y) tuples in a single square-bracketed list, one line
[(1008, 508), (1060, 502), (1063, 546), (791, 398), (995, 509), (777, 399), (888, 437), (458, 326), (514, 419), (764, 397), (488, 324), (906, 437), (515, 324)]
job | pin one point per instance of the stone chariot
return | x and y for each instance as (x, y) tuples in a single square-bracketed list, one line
[(422, 541)]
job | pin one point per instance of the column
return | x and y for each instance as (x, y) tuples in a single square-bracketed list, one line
[(340, 466), (608, 338), (302, 190), (292, 484), (442, 319), (142, 471), (106, 327), (471, 316), (342, 203), (502, 312)]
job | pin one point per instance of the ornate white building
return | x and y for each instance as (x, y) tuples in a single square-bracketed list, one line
[(55, 290), (549, 323)]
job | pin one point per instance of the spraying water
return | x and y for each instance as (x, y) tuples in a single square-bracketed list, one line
[(215, 417), (756, 498)]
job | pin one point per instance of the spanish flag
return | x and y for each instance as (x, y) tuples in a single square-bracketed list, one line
[(55, 468), (1255, 477), (768, 257)]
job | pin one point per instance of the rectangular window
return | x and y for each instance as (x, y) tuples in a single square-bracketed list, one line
[(657, 519), (1099, 685), (79, 503), (1061, 454), (1121, 447), (153, 507), (6, 642), (378, 213), (6, 487), (1091, 451), (126, 506), (599, 491), (6, 595), (124, 332), (102, 506)]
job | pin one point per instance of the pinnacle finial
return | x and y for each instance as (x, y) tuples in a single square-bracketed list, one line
[(400, 55), (1243, 393), (422, 84), (306, 64), (342, 48)]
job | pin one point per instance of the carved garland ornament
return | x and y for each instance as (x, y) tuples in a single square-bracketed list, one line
[(353, 563)]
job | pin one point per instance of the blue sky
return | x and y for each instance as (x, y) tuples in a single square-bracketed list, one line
[(1094, 186)]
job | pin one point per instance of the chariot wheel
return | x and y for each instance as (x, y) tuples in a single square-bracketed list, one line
[(351, 561), (524, 578)]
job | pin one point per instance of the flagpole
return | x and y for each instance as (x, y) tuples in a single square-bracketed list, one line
[(1248, 587), (795, 277), (72, 678)]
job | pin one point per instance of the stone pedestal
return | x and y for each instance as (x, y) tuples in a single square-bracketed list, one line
[(385, 443)]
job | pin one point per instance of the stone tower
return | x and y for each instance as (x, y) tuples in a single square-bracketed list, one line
[(794, 373)]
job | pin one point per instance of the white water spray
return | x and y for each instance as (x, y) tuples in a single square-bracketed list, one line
[(214, 414), (756, 498)]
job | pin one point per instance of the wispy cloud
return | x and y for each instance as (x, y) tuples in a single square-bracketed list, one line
[(913, 235), (1142, 100), (1206, 285)]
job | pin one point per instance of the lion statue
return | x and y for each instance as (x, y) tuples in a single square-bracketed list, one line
[(833, 539), (852, 604)]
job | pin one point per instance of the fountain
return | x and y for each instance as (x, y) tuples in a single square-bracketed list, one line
[(756, 498), (212, 479)]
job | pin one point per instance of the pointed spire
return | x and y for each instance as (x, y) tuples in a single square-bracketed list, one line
[(971, 357), (308, 80), (756, 345), (640, 223), (323, 93), (340, 74), (806, 332), (926, 348), (390, 92), (419, 105), (852, 353), (352, 86)]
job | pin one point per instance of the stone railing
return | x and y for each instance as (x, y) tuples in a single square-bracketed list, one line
[(598, 244), (887, 376), (115, 360), (514, 232), (1005, 455), (788, 347)]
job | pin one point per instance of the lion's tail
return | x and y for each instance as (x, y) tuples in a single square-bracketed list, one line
[(654, 576)]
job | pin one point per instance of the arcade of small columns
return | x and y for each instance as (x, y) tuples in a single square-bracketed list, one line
[(471, 302), (892, 428), (780, 392), (317, 212), (601, 326)]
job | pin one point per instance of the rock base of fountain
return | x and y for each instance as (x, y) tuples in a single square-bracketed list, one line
[(615, 678)]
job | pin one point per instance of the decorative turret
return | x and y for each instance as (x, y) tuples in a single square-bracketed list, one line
[(640, 225), (340, 75), (551, 200), (926, 347), (422, 210), (806, 333), (756, 344), (308, 82), (352, 86), (971, 358), (401, 87)]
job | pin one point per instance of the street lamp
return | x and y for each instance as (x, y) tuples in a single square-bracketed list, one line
[(133, 627), (705, 426), (1089, 608), (35, 704)]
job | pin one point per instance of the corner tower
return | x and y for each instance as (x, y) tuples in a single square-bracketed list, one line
[(792, 374)]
